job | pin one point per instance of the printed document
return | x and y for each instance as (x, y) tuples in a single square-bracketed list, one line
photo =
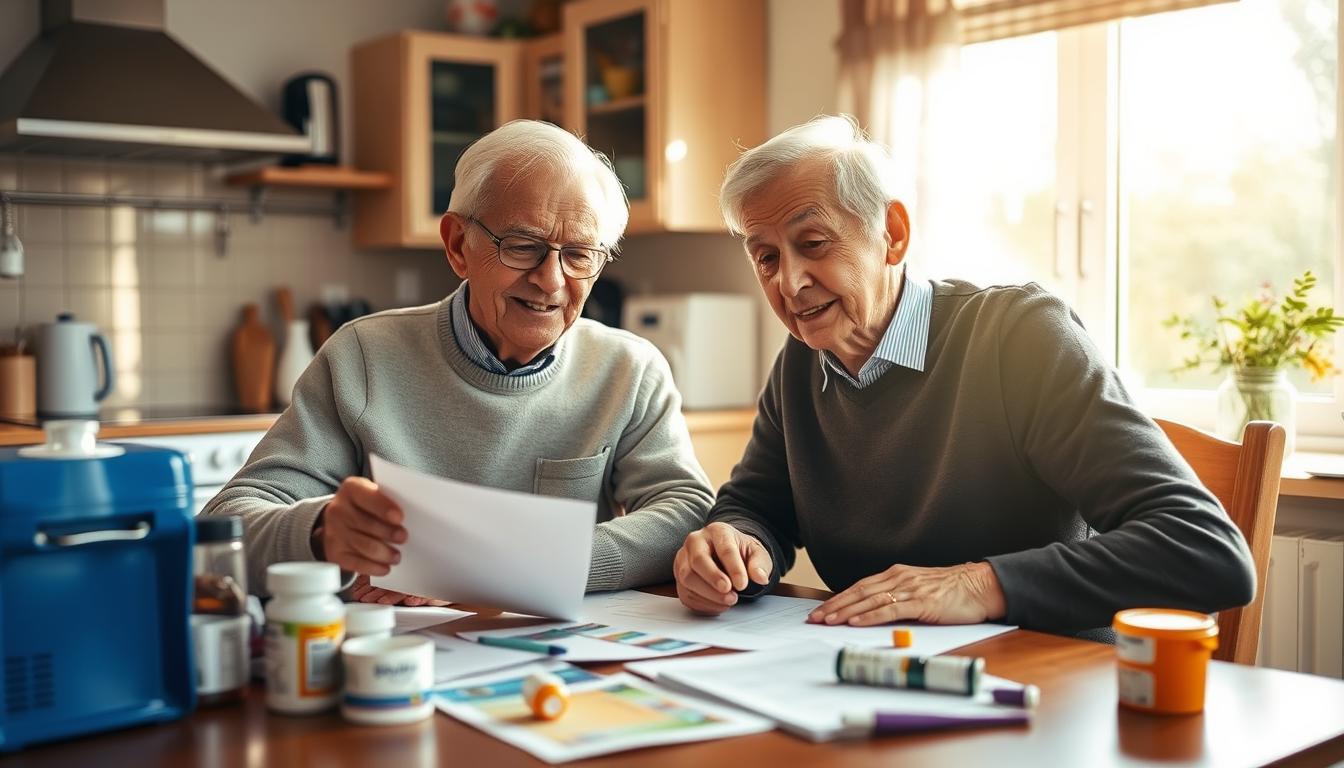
[(768, 622), (796, 687), (605, 715), (483, 546)]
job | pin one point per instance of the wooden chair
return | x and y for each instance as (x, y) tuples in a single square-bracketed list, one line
[(1245, 478)]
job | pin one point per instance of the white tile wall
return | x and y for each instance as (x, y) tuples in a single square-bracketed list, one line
[(153, 281)]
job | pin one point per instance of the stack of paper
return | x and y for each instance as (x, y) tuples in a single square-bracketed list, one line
[(596, 642), (796, 687), (769, 622)]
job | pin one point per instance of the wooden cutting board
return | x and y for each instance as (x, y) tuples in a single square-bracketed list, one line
[(253, 352), (319, 325)]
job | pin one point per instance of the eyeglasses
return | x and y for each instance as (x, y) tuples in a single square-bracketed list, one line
[(524, 252)]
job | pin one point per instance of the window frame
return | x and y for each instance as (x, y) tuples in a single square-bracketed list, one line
[(1089, 229)]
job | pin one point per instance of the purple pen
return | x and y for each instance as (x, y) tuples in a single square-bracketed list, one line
[(1027, 697), (899, 722)]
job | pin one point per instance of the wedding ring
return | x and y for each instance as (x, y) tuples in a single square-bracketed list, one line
[(892, 597)]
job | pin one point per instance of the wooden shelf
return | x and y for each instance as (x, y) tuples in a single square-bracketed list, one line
[(616, 105), (324, 176)]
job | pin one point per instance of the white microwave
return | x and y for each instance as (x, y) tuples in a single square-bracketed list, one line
[(709, 339)]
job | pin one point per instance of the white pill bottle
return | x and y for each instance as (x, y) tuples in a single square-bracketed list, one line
[(305, 625)]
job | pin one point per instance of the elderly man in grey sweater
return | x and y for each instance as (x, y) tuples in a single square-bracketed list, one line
[(946, 453), (500, 384)]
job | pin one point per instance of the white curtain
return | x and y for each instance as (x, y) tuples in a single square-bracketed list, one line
[(898, 78)]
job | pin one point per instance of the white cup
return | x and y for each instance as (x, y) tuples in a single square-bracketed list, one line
[(388, 679)]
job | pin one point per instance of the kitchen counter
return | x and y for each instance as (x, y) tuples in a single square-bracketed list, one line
[(15, 434)]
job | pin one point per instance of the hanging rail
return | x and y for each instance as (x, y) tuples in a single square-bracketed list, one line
[(256, 206)]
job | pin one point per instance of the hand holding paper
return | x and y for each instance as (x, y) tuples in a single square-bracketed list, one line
[(470, 544)]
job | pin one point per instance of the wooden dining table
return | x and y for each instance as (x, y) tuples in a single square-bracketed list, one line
[(1252, 716)]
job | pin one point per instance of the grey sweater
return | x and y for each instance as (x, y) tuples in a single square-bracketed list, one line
[(601, 423), (1017, 445)]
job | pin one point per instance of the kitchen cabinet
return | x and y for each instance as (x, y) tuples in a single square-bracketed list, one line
[(544, 79), (420, 98), (670, 90)]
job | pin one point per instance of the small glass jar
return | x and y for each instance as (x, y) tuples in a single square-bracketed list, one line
[(220, 626), (1257, 394)]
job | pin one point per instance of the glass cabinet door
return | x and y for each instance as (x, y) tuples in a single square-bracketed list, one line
[(462, 109), (613, 92), (544, 67), (460, 89)]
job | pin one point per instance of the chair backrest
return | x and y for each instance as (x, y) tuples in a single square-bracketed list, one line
[(1245, 478)]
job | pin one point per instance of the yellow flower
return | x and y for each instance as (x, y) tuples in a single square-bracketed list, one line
[(1320, 367)]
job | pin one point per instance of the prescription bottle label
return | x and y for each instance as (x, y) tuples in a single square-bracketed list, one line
[(220, 645), (303, 657), (1136, 687), (1135, 649)]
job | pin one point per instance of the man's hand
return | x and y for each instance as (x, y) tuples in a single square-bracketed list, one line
[(359, 528), (960, 594), (365, 592), (714, 562)]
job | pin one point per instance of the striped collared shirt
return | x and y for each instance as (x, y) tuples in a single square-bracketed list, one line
[(904, 343), (469, 339)]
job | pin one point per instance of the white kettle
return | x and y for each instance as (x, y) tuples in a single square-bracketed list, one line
[(68, 361)]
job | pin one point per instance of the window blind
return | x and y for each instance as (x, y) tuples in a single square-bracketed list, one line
[(983, 20)]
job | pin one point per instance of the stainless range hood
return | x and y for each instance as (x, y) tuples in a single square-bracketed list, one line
[(108, 90)]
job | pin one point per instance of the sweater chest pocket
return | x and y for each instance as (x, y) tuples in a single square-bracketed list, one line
[(579, 478)]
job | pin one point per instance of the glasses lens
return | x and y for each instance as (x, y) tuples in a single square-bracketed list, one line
[(582, 262), (522, 252)]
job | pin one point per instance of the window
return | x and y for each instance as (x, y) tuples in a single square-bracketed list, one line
[(1193, 153)]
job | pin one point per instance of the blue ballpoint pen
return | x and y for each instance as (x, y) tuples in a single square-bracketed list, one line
[(522, 644)]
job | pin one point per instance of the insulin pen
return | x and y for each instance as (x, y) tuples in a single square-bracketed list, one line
[(880, 723), (880, 666)]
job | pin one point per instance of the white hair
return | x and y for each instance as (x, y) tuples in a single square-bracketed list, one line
[(524, 147), (861, 169)]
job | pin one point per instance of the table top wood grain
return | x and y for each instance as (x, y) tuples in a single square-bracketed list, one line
[(1252, 716)]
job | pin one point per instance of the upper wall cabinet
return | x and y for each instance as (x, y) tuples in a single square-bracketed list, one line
[(419, 99), (544, 73), (670, 90)]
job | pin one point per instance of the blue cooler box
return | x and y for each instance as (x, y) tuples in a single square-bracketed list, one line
[(95, 593)]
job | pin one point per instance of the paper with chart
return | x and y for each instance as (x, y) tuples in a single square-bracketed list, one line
[(483, 546), (796, 687), (605, 715), (769, 622), (423, 617), (589, 641), (454, 658)]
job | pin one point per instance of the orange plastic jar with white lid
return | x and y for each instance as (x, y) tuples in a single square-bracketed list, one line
[(1162, 657)]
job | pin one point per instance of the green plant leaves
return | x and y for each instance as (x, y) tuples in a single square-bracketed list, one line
[(1264, 332)]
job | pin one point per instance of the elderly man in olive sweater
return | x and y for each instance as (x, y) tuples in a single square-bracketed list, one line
[(946, 453)]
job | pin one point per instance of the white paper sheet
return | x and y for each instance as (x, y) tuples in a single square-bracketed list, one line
[(454, 658), (596, 642), (769, 622), (483, 546), (423, 617), (795, 686), (606, 714)]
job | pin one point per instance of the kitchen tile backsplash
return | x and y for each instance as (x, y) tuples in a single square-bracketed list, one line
[(153, 282)]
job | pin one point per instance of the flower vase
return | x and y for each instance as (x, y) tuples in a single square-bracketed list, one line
[(1257, 394)]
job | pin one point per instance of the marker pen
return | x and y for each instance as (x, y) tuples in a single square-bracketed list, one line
[(882, 666), (881, 723), (522, 644)]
